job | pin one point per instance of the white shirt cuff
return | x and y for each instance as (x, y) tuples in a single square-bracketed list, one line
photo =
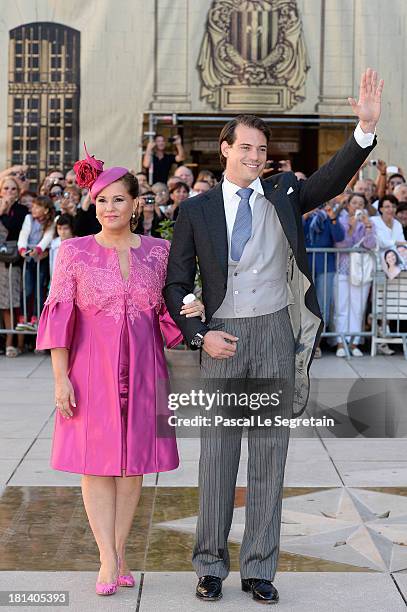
[(363, 140)]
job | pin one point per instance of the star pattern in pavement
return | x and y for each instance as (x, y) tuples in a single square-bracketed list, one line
[(359, 527)]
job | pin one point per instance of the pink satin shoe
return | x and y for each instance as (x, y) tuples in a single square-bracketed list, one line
[(126, 580), (108, 588)]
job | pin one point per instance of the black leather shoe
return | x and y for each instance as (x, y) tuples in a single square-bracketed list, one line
[(209, 588), (262, 590)]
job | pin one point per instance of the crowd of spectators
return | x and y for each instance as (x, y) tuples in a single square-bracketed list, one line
[(370, 213)]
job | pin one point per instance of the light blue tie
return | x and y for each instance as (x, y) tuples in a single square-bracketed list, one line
[(242, 228)]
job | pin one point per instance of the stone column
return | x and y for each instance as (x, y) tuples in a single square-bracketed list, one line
[(171, 57)]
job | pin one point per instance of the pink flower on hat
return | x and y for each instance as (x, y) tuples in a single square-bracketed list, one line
[(87, 170)]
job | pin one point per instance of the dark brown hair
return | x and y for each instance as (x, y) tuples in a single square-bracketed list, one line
[(46, 203), (131, 184), (179, 185), (357, 194), (228, 131), (387, 198)]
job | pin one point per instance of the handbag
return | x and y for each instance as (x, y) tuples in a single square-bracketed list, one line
[(9, 252), (361, 267)]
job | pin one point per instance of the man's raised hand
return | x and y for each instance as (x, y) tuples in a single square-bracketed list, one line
[(368, 107)]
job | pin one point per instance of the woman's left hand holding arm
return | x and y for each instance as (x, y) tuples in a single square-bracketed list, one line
[(193, 309)]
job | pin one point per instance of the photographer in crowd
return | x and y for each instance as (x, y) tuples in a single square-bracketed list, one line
[(161, 161), (148, 220)]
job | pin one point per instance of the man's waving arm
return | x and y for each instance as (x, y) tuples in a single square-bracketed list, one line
[(332, 178)]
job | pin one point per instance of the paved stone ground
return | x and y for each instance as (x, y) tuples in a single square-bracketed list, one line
[(344, 531)]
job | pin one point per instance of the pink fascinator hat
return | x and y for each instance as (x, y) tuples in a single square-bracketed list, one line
[(89, 173)]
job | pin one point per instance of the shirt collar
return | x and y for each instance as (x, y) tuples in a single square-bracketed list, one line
[(229, 188)]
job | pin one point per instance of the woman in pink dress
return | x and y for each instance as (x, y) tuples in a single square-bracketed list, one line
[(104, 321)]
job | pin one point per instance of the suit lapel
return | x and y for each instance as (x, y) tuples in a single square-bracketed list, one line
[(214, 213), (275, 193)]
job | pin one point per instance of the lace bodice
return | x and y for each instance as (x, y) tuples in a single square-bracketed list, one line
[(89, 275)]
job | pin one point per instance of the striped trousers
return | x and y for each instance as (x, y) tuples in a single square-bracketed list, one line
[(265, 350)]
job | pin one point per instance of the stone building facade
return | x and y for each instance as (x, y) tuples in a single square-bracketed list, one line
[(109, 72)]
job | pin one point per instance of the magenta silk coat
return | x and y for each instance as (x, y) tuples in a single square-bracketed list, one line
[(88, 311)]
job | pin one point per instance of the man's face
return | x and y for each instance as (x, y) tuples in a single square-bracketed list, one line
[(246, 157), (402, 217), (185, 175), (201, 187), (401, 192), (396, 180), (364, 187), (160, 143)]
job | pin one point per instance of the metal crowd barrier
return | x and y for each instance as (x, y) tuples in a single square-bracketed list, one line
[(388, 299), (391, 311), (23, 299), (359, 296)]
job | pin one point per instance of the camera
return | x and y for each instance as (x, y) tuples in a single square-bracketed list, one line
[(373, 162), (149, 199), (172, 139), (272, 165)]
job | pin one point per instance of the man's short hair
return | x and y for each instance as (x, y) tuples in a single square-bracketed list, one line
[(228, 131), (397, 175)]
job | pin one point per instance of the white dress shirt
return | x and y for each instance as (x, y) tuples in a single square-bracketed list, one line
[(387, 236)]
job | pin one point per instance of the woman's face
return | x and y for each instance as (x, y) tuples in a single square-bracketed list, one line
[(356, 203), (38, 212), (391, 259), (68, 207), (72, 196), (388, 209), (69, 203), (179, 195), (9, 190), (114, 207)]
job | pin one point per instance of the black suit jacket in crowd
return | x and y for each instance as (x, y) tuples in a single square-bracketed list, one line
[(200, 233)]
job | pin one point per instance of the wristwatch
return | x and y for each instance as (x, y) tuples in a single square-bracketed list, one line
[(197, 341)]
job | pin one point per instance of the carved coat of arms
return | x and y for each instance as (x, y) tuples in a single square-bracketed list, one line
[(253, 55)]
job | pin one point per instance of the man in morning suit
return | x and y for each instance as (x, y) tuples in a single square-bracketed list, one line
[(262, 321)]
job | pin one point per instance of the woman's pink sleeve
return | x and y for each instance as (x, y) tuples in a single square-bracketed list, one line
[(171, 332), (57, 322)]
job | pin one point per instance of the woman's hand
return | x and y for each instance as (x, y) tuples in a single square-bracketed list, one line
[(194, 309), (64, 397), (5, 205)]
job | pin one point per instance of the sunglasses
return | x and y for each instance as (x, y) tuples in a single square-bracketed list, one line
[(56, 194)]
